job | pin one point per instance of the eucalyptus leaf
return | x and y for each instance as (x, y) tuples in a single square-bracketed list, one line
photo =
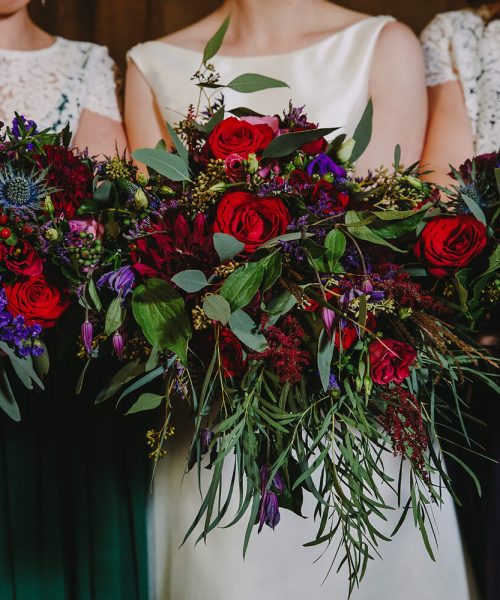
[(245, 329), (94, 294), (363, 133), (335, 244), (214, 120), (128, 372), (160, 312), (215, 42), (114, 316), (397, 157), (286, 237), (281, 304), (217, 308), (163, 162), (41, 363), (325, 355), (7, 399), (227, 246), (475, 209), (103, 192), (146, 401), (286, 144), (243, 111), (241, 286), (497, 177), (190, 281), (144, 380), (362, 232), (252, 82), (272, 271), (182, 151)]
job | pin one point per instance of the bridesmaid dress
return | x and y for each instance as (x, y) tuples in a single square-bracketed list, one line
[(73, 477), (465, 46), (332, 79)]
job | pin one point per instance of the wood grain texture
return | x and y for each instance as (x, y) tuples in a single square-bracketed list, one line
[(119, 24)]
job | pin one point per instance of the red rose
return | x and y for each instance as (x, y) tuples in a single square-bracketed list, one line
[(300, 179), (349, 334), (21, 259), (37, 300), (314, 147), (328, 196), (233, 136), (250, 219), (231, 353), (450, 243), (390, 360), (69, 176)]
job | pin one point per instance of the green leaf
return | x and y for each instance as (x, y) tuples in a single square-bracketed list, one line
[(335, 243), (497, 177), (41, 363), (148, 378), (146, 401), (215, 42), (243, 111), (190, 281), (212, 123), (241, 286), (182, 151), (272, 271), (124, 375), (114, 317), (286, 144), (281, 304), (103, 192), (163, 162), (252, 82), (325, 355), (286, 237), (159, 310), (7, 399), (362, 232), (93, 293), (462, 287), (227, 246), (23, 368), (217, 308), (363, 133), (475, 209), (245, 329)]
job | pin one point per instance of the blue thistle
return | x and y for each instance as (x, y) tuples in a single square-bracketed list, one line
[(20, 190)]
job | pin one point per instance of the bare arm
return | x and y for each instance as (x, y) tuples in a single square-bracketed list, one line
[(101, 135), (449, 136), (143, 121), (398, 92)]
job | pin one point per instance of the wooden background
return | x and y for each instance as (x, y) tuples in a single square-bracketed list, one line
[(120, 24)]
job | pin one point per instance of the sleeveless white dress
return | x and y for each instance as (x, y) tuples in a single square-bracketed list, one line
[(52, 86), (331, 78), (461, 45)]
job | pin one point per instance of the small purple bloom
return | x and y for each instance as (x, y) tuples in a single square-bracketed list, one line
[(269, 513), (118, 341), (87, 336), (332, 383), (120, 281), (323, 164), (328, 317), (29, 125)]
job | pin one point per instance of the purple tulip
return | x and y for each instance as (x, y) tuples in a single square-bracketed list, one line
[(323, 164), (87, 335)]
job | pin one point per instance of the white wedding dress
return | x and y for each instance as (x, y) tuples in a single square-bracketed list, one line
[(331, 78)]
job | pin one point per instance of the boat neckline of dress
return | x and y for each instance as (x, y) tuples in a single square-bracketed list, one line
[(278, 54), (30, 53)]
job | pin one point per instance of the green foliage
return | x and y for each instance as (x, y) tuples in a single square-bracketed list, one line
[(215, 42), (288, 143), (363, 133), (163, 162), (252, 82)]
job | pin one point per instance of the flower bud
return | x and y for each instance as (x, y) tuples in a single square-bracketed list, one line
[(52, 234), (219, 187), (367, 287), (328, 317), (252, 164), (118, 344), (48, 205), (87, 335), (345, 151), (141, 200), (142, 179)]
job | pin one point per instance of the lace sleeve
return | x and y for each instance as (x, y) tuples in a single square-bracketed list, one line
[(436, 42), (102, 85)]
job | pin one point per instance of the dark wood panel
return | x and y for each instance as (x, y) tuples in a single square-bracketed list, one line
[(120, 24)]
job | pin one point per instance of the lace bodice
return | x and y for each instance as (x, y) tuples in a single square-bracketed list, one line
[(461, 45), (54, 85)]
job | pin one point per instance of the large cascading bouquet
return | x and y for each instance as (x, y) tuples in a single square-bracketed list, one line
[(315, 321)]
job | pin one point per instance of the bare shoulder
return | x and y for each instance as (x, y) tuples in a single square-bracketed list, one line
[(195, 36), (396, 37)]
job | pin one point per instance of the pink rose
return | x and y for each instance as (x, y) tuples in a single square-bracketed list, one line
[(87, 225), (234, 166)]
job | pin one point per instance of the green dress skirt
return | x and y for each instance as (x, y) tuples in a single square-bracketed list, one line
[(74, 481)]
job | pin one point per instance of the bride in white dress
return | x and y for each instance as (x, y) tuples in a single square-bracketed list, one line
[(334, 60)]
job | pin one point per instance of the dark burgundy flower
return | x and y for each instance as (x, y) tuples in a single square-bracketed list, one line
[(390, 361), (231, 353), (70, 176), (329, 198), (21, 259)]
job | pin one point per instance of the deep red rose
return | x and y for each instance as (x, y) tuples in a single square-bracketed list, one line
[(300, 179), (37, 300), (69, 176), (234, 166), (21, 259), (172, 246), (390, 360), (231, 353), (250, 219), (314, 147), (349, 334), (328, 196), (233, 136), (450, 243)]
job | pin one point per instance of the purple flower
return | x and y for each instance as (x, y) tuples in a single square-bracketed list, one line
[(269, 513), (328, 318), (29, 125), (87, 336), (118, 342), (22, 338), (332, 383), (120, 281), (323, 164)]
